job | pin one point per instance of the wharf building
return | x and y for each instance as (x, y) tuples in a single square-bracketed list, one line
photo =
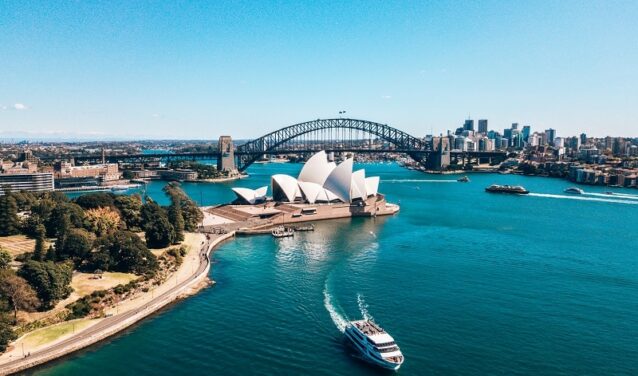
[(69, 175), (23, 175)]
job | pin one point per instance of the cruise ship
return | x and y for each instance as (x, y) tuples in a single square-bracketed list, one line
[(516, 189), (375, 345)]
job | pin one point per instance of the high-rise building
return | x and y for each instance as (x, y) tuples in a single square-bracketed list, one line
[(514, 125), (551, 135), (527, 130), (468, 125), (583, 138), (482, 126)]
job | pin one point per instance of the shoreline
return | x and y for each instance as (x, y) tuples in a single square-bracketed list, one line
[(105, 328)]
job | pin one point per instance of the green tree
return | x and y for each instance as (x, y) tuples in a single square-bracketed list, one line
[(127, 253), (6, 334), (5, 259), (9, 223), (96, 200), (77, 246), (130, 208), (158, 230), (40, 245), (193, 216), (177, 220), (50, 281), (18, 292)]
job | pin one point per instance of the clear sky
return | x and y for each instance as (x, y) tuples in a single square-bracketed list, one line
[(198, 69)]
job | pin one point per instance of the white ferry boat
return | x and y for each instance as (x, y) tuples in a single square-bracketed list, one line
[(574, 190), (376, 346)]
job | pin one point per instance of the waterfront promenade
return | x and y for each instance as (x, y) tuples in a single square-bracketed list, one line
[(193, 280)]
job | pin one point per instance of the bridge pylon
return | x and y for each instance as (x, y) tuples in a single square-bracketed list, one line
[(226, 159)]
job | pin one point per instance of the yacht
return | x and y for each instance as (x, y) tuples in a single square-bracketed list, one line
[(574, 190), (375, 345), (516, 189)]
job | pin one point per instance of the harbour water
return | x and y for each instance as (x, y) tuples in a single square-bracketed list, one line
[(467, 282)]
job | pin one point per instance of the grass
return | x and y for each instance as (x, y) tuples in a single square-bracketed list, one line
[(51, 333), (83, 283), (17, 244)]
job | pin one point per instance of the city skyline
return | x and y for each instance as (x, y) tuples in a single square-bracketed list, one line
[(197, 71)]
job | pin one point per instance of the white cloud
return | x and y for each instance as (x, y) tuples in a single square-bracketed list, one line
[(4, 108), (386, 97), (20, 107)]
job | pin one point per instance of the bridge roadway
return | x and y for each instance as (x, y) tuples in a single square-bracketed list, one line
[(114, 324), (131, 158)]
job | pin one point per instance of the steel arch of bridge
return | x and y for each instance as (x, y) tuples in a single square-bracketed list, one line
[(251, 151)]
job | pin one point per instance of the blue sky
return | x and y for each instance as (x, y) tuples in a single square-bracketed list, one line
[(201, 69)]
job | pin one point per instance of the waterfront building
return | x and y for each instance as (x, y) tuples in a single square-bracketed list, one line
[(34, 182), (482, 126), (319, 181)]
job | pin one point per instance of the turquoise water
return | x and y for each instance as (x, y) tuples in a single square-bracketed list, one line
[(468, 283)]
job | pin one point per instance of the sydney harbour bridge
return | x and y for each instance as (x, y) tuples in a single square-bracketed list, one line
[(331, 135)]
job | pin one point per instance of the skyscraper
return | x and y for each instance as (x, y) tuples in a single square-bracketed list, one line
[(583, 138), (551, 135), (527, 130), (482, 126), (468, 125)]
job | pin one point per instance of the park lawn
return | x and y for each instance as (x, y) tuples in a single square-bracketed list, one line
[(84, 283), (48, 334), (18, 244)]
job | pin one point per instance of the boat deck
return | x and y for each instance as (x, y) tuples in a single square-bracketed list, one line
[(368, 327)]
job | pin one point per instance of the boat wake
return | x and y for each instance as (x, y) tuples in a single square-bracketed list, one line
[(622, 196), (581, 198), (339, 319), (419, 181), (363, 307)]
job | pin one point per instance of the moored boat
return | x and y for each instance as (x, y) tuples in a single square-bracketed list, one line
[(374, 344), (282, 232), (514, 189)]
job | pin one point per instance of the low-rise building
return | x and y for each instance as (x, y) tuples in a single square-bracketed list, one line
[(32, 182)]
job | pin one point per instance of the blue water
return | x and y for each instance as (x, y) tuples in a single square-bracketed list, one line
[(468, 283)]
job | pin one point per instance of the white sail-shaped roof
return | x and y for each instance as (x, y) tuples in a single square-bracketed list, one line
[(339, 180), (372, 185), (359, 184), (316, 169), (251, 196), (284, 187), (310, 191)]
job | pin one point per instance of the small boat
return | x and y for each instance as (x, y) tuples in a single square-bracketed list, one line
[(374, 344), (609, 193), (119, 189), (574, 190), (309, 227), (282, 232), (464, 179), (515, 189)]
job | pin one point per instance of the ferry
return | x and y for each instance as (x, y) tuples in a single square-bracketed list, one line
[(464, 179), (574, 190), (515, 189), (282, 232), (375, 345)]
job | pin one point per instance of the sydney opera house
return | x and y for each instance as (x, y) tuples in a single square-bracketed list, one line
[(319, 181)]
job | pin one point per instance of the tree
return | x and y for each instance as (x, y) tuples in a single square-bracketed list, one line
[(193, 216), (6, 334), (177, 220), (102, 220), (96, 200), (9, 223), (50, 281), (130, 208), (126, 253), (158, 230), (5, 259), (18, 292), (77, 246), (57, 222), (38, 252)]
